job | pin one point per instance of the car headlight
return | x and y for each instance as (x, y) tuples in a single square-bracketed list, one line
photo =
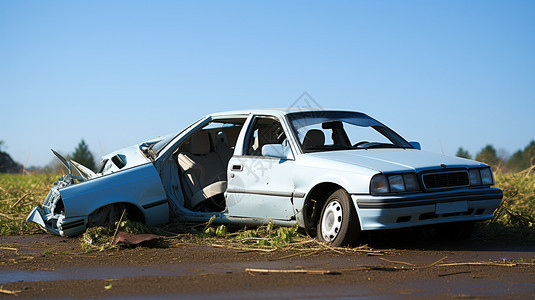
[(395, 183), (411, 182), (379, 185), (475, 177), (486, 176), (482, 176)]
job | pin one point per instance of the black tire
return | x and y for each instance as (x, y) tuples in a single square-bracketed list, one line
[(455, 231), (338, 222)]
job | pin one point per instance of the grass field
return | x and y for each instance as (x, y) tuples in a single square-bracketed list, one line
[(18, 195), (514, 219)]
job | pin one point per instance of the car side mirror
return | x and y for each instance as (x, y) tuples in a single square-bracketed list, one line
[(416, 145), (278, 151)]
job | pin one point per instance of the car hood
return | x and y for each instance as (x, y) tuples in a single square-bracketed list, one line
[(396, 160), (123, 159)]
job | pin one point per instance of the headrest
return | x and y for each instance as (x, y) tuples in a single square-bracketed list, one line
[(314, 138), (222, 139), (200, 143), (228, 136), (232, 135)]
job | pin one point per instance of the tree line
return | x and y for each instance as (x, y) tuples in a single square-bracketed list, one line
[(81, 154), (7, 164), (519, 161)]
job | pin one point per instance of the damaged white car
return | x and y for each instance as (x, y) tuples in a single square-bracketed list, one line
[(335, 173)]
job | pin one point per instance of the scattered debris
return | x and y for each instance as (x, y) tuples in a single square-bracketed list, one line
[(433, 264), (130, 239), (131, 233), (9, 292), (265, 239), (294, 271), (9, 248), (396, 262), (496, 264), (411, 267)]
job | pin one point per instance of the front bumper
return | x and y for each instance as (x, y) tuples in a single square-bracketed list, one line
[(57, 224), (408, 210)]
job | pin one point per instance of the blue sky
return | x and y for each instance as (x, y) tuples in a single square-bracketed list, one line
[(445, 73)]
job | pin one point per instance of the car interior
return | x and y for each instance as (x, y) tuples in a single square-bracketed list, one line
[(203, 159)]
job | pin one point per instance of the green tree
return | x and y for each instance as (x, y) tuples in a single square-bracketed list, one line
[(83, 156), (7, 164), (463, 153), (529, 153), (488, 156), (516, 162), (522, 159)]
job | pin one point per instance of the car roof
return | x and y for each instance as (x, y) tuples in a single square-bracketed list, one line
[(273, 111)]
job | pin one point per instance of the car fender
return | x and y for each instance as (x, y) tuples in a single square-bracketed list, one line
[(305, 185), (312, 172), (140, 186)]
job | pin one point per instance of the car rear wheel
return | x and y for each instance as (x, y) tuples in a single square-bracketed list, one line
[(338, 223)]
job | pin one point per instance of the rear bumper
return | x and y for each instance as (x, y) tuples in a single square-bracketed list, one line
[(399, 211)]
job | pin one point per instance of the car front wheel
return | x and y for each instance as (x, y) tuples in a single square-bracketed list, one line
[(338, 223)]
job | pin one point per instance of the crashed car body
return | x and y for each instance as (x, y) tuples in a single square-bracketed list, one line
[(335, 173)]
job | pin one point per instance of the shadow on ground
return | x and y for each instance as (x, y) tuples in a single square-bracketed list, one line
[(425, 238)]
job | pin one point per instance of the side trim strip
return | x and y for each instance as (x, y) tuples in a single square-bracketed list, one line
[(299, 195), (256, 192), (153, 204)]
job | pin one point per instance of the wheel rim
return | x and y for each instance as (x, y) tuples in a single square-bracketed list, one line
[(331, 221)]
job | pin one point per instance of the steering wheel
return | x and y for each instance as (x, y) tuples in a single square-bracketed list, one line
[(360, 143)]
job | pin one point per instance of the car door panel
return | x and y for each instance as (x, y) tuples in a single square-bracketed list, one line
[(260, 188)]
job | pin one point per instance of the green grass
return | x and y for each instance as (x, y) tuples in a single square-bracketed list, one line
[(18, 195), (518, 207), (514, 219), (266, 237)]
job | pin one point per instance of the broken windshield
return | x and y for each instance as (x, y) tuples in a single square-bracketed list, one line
[(154, 147), (340, 130)]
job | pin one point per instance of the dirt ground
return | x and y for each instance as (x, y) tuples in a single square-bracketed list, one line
[(410, 264)]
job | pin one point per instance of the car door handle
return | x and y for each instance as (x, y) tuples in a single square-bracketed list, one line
[(237, 168)]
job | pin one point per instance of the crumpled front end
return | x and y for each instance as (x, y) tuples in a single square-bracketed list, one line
[(51, 215)]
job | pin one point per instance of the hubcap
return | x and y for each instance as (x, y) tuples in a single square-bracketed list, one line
[(331, 221)]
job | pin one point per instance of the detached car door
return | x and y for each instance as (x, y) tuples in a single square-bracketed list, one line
[(261, 186)]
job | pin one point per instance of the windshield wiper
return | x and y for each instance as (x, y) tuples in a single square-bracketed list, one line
[(327, 148), (380, 145)]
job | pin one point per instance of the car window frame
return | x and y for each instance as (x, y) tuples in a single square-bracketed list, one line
[(248, 135), (300, 146)]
